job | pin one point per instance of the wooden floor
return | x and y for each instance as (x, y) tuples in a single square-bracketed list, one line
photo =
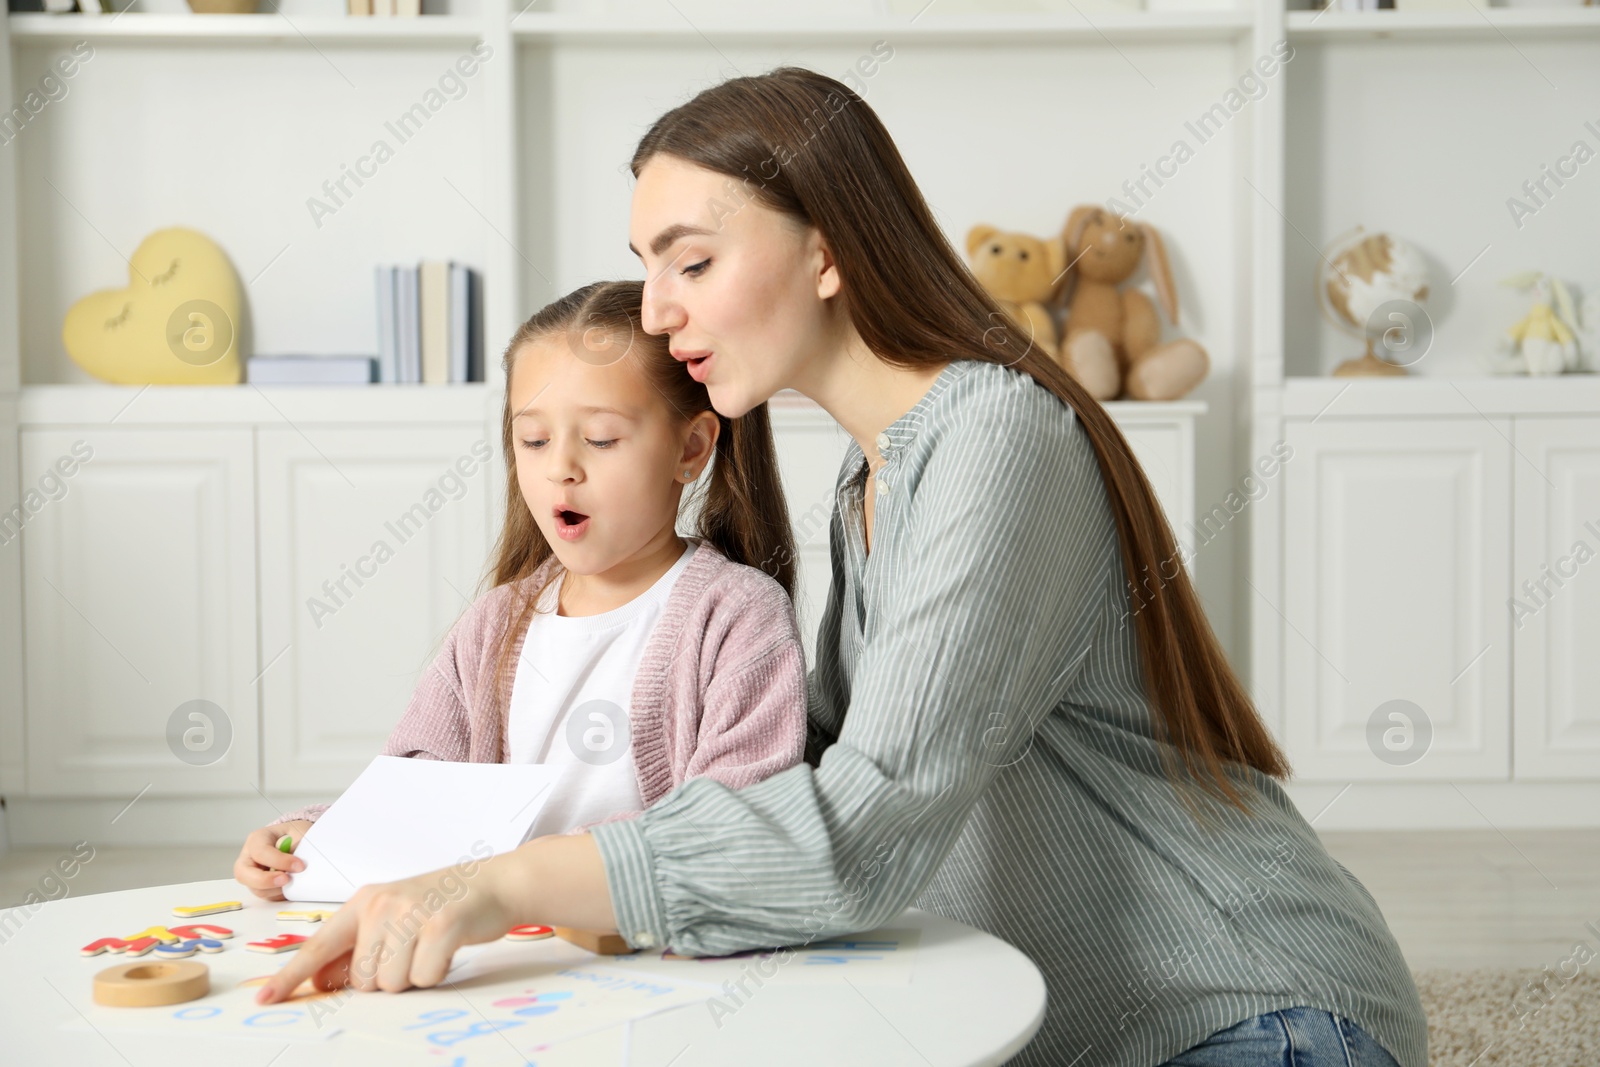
[(1469, 898), (1452, 898)]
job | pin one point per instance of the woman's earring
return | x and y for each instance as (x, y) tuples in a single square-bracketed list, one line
[(689, 475)]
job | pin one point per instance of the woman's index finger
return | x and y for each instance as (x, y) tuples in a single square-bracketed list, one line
[(336, 937)]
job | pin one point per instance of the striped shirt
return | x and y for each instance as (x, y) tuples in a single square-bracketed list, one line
[(981, 746)]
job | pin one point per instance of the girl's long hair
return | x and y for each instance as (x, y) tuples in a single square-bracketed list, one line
[(741, 508), (807, 146)]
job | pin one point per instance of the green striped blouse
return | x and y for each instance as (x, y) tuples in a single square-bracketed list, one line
[(981, 747)]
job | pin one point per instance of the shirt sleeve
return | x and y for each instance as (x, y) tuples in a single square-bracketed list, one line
[(975, 627)]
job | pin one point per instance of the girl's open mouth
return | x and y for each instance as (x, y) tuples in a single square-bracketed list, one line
[(570, 525)]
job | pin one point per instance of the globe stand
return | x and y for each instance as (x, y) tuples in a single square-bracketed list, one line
[(1368, 366)]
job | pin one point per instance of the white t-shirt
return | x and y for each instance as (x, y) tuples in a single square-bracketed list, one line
[(571, 698)]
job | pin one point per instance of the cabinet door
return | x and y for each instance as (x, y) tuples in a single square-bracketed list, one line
[(373, 540), (1396, 552), (140, 598), (1164, 447), (1555, 597)]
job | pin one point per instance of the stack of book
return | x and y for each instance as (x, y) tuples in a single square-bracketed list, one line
[(430, 324), (385, 7)]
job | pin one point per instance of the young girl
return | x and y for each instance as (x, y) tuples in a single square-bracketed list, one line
[(608, 645)]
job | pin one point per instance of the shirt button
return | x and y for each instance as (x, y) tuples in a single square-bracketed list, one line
[(644, 938), (883, 485), (883, 442)]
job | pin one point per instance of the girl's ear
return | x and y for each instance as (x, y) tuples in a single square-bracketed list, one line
[(704, 429)]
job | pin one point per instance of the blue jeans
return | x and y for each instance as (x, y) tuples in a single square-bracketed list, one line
[(1293, 1037)]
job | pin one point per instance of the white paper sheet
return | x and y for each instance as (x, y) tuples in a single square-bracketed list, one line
[(404, 817)]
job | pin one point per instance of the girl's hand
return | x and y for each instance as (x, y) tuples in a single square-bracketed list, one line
[(261, 867), (374, 941)]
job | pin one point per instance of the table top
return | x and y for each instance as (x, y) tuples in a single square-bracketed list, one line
[(920, 990)]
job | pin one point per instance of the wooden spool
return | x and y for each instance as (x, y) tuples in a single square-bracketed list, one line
[(145, 985), (596, 942)]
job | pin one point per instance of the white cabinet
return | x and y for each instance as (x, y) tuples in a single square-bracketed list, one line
[(1441, 546), (140, 596), (1554, 601), (1397, 541), (1162, 439), (372, 543), (293, 557)]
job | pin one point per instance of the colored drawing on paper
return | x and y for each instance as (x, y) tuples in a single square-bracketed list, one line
[(541, 999), (536, 1015)]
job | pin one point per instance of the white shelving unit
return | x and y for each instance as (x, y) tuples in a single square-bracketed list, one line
[(157, 27), (1420, 124), (1466, 24)]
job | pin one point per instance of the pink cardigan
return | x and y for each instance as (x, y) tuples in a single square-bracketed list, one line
[(720, 689)]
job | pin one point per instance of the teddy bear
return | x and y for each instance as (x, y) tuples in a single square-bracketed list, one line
[(1113, 337), (1021, 272)]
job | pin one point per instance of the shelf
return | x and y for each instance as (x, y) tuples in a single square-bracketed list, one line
[(156, 405), (168, 29), (1135, 410), (1151, 26), (1562, 394), (1196, 26), (1327, 25)]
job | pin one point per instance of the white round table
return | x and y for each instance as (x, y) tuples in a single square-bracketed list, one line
[(945, 994)]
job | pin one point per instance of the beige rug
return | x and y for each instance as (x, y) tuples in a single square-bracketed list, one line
[(1512, 1018)]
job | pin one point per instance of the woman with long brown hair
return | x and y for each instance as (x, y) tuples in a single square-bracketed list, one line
[(1019, 715)]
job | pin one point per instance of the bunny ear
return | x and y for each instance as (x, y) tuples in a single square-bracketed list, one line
[(1072, 232), (1564, 303), (1160, 272), (1071, 237)]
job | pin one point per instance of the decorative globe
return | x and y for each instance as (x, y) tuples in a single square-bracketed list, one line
[(1371, 286)]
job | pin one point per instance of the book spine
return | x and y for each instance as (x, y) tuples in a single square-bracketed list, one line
[(435, 322), (458, 323), (474, 326), (410, 355), (387, 321)]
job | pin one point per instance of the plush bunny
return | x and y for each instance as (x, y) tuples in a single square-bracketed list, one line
[(1113, 337), (1020, 272), (1545, 341)]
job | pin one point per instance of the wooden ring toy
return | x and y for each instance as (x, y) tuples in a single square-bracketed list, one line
[(599, 943), (146, 985)]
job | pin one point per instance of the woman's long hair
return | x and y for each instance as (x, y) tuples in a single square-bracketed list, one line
[(742, 512), (809, 147)]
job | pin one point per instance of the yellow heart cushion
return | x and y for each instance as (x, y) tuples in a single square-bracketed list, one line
[(177, 322)]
